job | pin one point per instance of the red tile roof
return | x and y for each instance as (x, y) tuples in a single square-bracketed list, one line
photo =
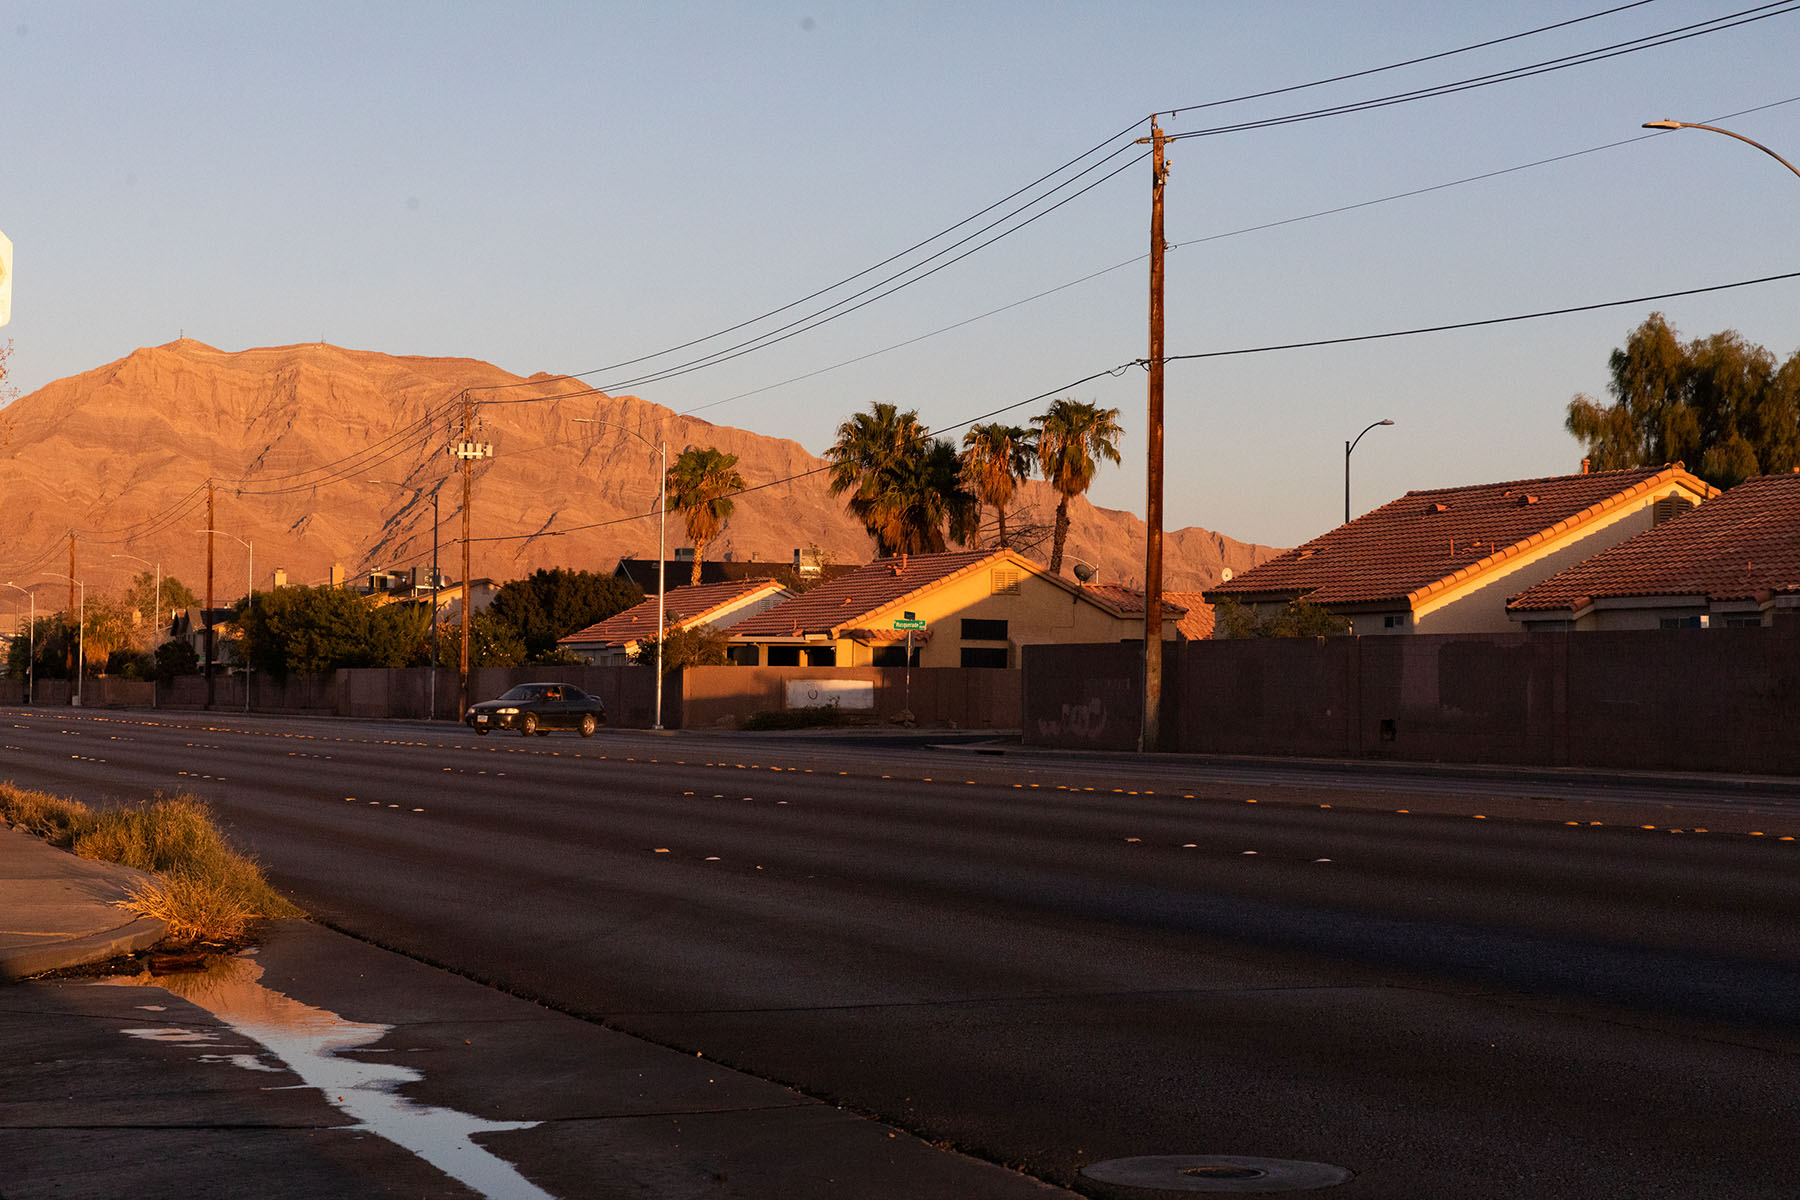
[(1743, 545), (1435, 538), (843, 601), (1196, 624), (692, 604), (1128, 602)]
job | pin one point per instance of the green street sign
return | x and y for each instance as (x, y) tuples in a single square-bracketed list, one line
[(903, 624)]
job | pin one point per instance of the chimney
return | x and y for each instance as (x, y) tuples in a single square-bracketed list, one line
[(280, 577), (337, 575), (1585, 464)]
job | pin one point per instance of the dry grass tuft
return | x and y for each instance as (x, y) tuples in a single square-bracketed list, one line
[(204, 890)]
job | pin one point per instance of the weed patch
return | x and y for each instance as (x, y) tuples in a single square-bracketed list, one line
[(201, 888)]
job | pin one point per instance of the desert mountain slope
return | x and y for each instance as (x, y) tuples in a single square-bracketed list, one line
[(291, 437)]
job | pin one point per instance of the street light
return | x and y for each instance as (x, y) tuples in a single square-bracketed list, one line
[(431, 680), (1715, 129), (80, 633), (1348, 447), (156, 638), (249, 594), (30, 645), (662, 541)]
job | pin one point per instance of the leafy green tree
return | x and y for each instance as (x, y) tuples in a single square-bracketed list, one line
[(107, 626), (141, 594), (700, 485), (399, 636), (547, 605), (698, 646), (1718, 404), (1297, 618), (906, 487), (304, 630), (995, 459), (1072, 437), (492, 643), (52, 638), (176, 658)]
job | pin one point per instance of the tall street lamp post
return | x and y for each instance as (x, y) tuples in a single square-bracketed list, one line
[(249, 595), (1715, 129), (431, 679), (30, 645), (156, 637), (1348, 448), (662, 541), (80, 632)]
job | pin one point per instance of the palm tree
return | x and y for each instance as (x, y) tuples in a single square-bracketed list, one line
[(905, 486), (700, 485), (995, 458), (1071, 437)]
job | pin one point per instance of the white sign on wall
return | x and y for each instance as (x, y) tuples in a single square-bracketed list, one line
[(842, 693)]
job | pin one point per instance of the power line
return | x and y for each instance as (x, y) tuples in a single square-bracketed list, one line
[(1410, 62), (1564, 62)]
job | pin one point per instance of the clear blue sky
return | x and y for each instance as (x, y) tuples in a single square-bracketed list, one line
[(558, 187)]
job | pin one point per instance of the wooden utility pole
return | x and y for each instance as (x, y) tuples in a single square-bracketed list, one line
[(1150, 732), (206, 613), (468, 450), (71, 610)]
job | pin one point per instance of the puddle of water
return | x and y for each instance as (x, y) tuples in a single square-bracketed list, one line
[(310, 1042)]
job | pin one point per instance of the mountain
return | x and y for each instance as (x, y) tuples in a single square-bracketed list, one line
[(291, 437)]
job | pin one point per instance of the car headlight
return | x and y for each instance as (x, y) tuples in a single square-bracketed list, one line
[(506, 712)]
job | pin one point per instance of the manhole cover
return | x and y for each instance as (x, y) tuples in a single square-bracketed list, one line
[(1216, 1173)]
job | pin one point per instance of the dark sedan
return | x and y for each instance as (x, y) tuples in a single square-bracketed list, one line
[(538, 708)]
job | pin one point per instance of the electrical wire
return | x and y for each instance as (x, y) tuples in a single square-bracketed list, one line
[(1564, 62), (1410, 62)]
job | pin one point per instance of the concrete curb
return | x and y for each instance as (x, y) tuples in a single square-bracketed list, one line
[(140, 934)]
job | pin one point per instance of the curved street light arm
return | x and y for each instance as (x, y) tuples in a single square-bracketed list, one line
[(1715, 129)]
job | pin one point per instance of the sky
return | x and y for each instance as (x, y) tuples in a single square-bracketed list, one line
[(564, 187)]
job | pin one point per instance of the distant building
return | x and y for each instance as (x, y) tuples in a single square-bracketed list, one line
[(977, 608), (804, 570), (1732, 562), (612, 642), (1448, 559)]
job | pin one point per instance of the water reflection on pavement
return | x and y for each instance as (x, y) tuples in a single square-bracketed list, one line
[(311, 1042)]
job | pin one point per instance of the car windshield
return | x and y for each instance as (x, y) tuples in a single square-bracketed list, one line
[(524, 691)]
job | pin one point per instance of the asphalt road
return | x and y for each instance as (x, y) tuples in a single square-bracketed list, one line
[(1461, 983)]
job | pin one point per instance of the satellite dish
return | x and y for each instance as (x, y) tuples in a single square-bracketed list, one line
[(1226, 574), (1085, 573)]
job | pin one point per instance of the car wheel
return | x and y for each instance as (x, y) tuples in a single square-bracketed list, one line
[(481, 731), (527, 725), (588, 724)]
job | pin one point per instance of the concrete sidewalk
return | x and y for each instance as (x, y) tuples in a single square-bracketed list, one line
[(57, 910)]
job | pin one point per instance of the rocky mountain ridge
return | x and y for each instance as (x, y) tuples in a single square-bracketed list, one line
[(323, 457)]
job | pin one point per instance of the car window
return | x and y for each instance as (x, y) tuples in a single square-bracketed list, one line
[(518, 693)]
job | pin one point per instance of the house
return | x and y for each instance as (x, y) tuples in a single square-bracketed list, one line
[(967, 609), (1732, 562), (1447, 560), (613, 641), (803, 571), (189, 625)]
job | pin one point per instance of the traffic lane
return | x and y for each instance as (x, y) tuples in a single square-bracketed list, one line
[(1765, 807), (1436, 881), (707, 896)]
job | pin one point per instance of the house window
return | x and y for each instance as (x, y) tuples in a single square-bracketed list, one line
[(892, 656), (741, 656), (1743, 621), (1699, 622), (1006, 582), (822, 656), (1394, 621), (784, 656), (984, 656), (975, 629)]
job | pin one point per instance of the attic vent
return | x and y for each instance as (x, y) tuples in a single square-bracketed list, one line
[(1005, 582), (1436, 508), (1527, 500), (1668, 508)]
